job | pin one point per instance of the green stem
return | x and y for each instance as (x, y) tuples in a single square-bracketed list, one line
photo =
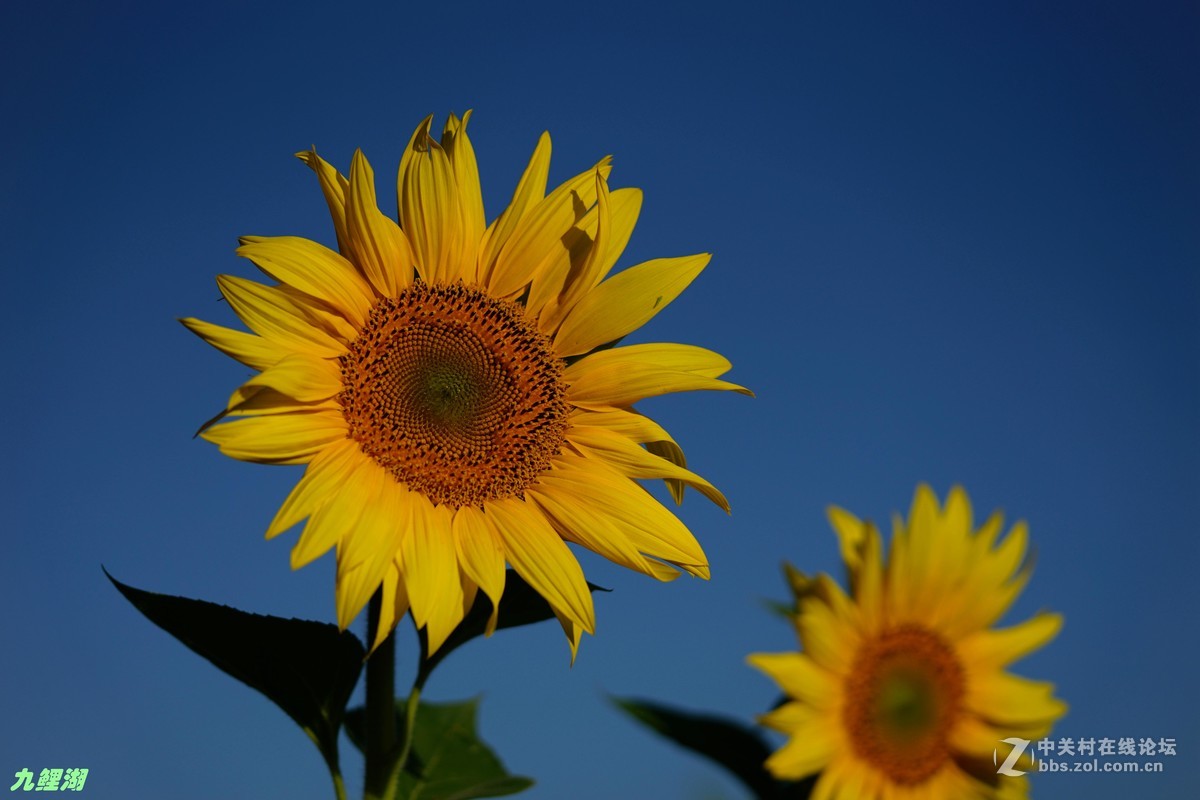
[(410, 722), (380, 710), (335, 771)]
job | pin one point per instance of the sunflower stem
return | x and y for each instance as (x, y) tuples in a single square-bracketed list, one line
[(339, 786), (335, 772), (410, 722), (380, 710)]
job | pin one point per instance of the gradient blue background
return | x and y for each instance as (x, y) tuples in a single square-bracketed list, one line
[(953, 245)]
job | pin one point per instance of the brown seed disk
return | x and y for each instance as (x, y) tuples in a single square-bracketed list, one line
[(455, 393), (903, 695)]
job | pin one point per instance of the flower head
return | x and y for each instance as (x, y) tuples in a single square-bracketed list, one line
[(448, 384), (901, 689)]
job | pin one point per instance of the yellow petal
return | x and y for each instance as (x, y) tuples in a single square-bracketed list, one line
[(333, 186), (393, 607), (626, 422), (799, 677), (869, 586), (470, 591), (299, 376), (278, 439), (333, 519), (276, 316), (481, 556), (268, 401), (1007, 559), (992, 580), (956, 513), (854, 784), (538, 242), (809, 747), (624, 375), (375, 243), (799, 758), (321, 314), (395, 601), (376, 536), (369, 548), (572, 630), (973, 736), (827, 639), (557, 289), (985, 537), (852, 537), (1010, 699), (458, 149), (540, 557), (992, 649), (583, 256), (984, 608), (252, 350), (923, 554), (624, 207), (313, 269), (828, 785), (429, 208), (633, 461), (667, 355), (950, 541), (786, 717), (578, 523), (328, 470), (638, 428), (652, 529), (898, 580), (862, 552), (673, 453), (625, 302), (529, 192), (804, 755), (431, 572), (411, 151)]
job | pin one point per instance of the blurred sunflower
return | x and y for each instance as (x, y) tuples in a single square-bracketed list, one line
[(449, 385), (901, 689)]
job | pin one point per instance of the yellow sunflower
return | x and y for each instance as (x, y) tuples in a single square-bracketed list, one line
[(901, 690), (449, 385)]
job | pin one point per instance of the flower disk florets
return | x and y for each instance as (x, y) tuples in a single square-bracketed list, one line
[(903, 695), (455, 393)]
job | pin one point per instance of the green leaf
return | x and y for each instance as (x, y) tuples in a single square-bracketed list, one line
[(447, 761), (519, 605), (737, 747), (785, 610), (307, 668)]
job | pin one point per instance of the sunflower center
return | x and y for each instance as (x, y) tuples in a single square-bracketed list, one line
[(455, 393), (903, 695)]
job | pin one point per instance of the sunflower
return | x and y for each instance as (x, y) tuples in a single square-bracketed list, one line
[(901, 689), (451, 388)]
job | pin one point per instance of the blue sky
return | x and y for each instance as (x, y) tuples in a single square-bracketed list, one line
[(952, 244)]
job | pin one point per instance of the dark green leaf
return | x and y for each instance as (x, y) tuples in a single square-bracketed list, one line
[(307, 668), (519, 605), (447, 761), (785, 610), (737, 747)]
